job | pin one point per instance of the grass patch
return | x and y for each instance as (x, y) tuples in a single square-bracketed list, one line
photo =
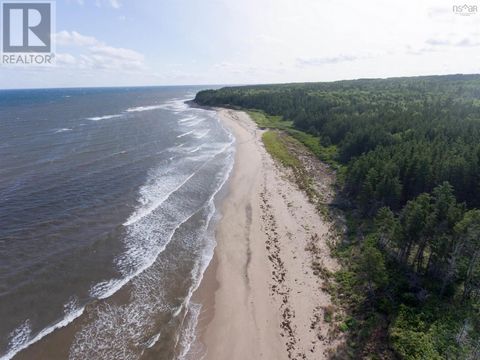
[(276, 147), (327, 154), (313, 143), (278, 144), (265, 121)]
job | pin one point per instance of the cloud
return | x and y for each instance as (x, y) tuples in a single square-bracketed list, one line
[(78, 2), (437, 42), (65, 59), (66, 38), (268, 39), (112, 3), (436, 11), (248, 69), (466, 42), (116, 4), (87, 52), (453, 42), (318, 61), (444, 44)]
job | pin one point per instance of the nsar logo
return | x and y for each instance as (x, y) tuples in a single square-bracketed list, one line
[(465, 10)]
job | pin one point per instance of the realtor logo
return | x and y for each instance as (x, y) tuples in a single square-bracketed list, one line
[(27, 30)]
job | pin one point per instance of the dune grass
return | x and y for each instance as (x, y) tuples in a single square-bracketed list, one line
[(276, 147), (265, 121)]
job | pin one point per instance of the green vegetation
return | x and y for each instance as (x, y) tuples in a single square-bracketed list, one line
[(280, 145), (409, 150), (268, 121), (327, 154), (276, 147)]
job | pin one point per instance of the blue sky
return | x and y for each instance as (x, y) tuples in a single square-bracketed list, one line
[(166, 42)]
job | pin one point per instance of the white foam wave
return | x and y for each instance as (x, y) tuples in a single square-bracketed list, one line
[(140, 255), (194, 123), (185, 134), (145, 108), (177, 105), (104, 117), (106, 289), (168, 184), (188, 336), (188, 119), (62, 130), (202, 135), (153, 340), (20, 337)]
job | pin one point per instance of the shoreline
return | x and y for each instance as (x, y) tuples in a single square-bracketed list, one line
[(260, 297)]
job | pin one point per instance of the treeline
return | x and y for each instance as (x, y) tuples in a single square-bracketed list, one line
[(411, 148)]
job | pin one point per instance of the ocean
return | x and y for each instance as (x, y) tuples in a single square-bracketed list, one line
[(107, 210)]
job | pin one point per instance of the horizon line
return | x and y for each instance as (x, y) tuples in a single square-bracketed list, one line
[(231, 85)]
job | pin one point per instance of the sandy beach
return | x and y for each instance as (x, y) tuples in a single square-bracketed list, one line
[(262, 299)]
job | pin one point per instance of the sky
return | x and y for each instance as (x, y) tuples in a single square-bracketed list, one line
[(190, 42)]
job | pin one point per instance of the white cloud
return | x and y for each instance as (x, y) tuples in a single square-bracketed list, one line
[(115, 4), (317, 61), (66, 38), (454, 41), (87, 52), (439, 11), (112, 3), (63, 59)]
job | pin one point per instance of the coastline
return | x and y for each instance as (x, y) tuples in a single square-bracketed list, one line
[(261, 298)]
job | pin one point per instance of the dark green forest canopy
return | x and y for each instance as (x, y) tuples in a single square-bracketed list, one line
[(400, 136)]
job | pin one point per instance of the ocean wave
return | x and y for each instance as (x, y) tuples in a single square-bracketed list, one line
[(21, 337), (188, 335), (62, 130), (104, 117), (144, 108), (105, 289), (188, 119), (140, 255), (153, 340), (154, 194), (185, 134), (106, 338), (202, 134), (192, 123), (176, 106)]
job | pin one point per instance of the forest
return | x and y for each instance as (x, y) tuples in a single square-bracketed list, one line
[(408, 150)]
